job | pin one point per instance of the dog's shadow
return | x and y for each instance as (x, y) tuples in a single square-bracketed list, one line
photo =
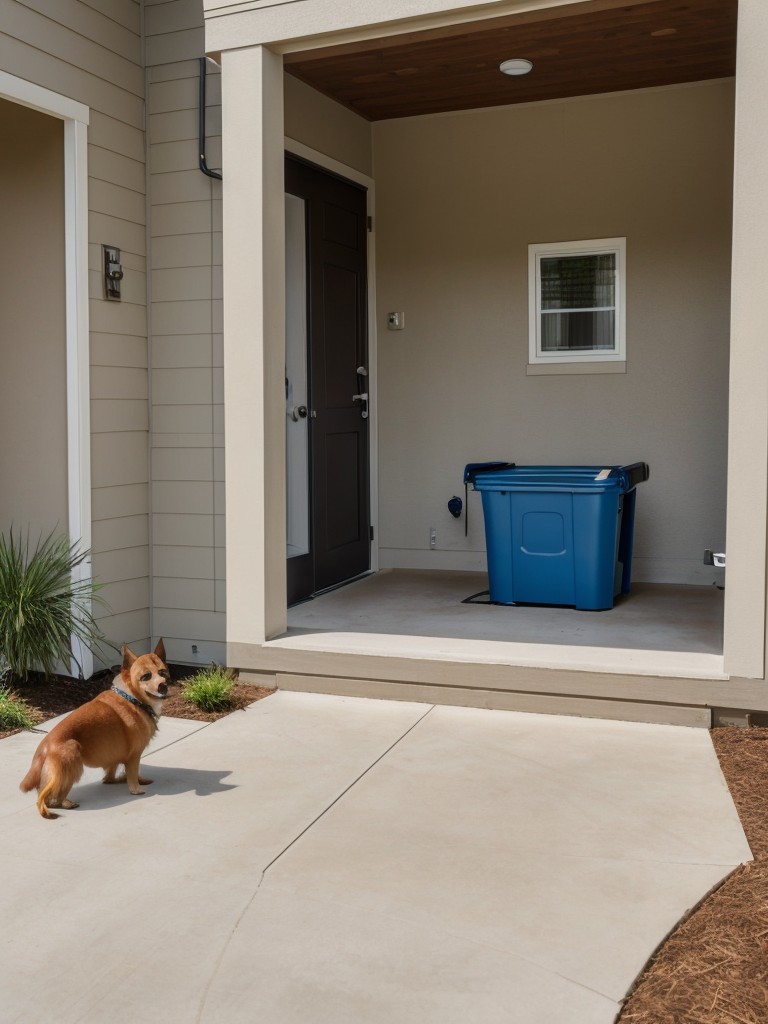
[(92, 794)]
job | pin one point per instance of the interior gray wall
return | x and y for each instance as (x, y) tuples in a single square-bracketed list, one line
[(458, 199)]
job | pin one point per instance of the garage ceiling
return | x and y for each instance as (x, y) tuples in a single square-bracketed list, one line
[(601, 46)]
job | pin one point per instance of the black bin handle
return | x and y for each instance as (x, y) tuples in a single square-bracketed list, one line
[(636, 474)]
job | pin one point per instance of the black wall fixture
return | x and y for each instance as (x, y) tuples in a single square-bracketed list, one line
[(201, 123)]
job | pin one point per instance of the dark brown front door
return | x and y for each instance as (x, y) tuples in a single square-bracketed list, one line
[(336, 420)]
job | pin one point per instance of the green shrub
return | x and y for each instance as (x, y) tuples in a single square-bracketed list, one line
[(15, 713), (210, 688), (41, 606)]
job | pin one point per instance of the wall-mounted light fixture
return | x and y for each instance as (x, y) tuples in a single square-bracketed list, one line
[(516, 66), (113, 272)]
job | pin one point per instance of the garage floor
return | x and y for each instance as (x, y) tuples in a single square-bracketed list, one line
[(654, 617)]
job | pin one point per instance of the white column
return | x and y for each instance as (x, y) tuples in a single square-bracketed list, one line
[(254, 345), (745, 593)]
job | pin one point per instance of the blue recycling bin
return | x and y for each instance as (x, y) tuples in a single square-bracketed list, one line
[(558, 535)]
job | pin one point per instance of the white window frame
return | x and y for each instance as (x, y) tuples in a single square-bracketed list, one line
[(588, 247)]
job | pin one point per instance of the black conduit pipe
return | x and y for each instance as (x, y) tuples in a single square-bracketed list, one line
[(201, 124)]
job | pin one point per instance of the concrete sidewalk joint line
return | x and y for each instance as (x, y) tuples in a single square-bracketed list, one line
[(344, 792), (275, 859)]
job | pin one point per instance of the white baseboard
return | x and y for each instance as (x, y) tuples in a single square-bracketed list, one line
[(413, 558), (689, 571)]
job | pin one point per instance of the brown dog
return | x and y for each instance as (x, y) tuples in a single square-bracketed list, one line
[(112, 729)]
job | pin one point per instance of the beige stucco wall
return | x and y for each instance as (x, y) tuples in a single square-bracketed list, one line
[(94, 56), (33, 371), (459, 197), (327, 127)]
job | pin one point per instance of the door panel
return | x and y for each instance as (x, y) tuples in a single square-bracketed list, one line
[(340, 226), (343, 459), (336, 317)]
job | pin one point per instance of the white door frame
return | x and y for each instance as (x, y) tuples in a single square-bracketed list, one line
[(76, 118)]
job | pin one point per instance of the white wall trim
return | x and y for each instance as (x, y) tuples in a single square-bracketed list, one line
[(75, 117), (352, 174), (78, 354), (27, 94)]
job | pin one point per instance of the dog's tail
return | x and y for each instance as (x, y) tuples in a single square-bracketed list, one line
[(43, 795)]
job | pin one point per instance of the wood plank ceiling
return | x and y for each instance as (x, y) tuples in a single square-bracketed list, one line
[(601, 47)]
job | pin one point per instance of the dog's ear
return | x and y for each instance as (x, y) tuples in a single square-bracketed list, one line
[(160, 650), (128, 657)]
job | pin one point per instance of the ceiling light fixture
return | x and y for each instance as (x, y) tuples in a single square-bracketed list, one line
[(516, 66)]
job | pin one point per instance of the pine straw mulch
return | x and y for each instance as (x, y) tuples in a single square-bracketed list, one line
[(713, 969), (62, 694)]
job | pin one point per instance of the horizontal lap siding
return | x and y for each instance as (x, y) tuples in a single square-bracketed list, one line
[(186, 340), (91, 51)]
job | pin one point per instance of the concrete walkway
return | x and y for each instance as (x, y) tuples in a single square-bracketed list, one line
[(329, 860)]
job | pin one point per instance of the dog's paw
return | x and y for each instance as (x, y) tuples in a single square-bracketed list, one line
[(69, 805), (145, 782), (135, 790)]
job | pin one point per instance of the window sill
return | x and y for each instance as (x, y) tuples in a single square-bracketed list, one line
[(553, 368)]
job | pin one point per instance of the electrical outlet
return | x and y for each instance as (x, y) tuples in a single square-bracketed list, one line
[(432, 537)]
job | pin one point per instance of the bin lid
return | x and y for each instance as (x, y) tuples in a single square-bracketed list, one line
[(559, 478), (473, 469)]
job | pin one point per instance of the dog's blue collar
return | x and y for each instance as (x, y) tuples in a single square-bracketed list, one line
[(139, 704)]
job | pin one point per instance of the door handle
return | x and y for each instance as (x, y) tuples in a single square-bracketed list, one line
[(362, 398), (298, 412)]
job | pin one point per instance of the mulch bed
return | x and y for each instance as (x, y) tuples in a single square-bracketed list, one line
[(713, 969), (61, 694)]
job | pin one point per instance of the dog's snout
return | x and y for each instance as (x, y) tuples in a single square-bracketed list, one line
[(162, 689)]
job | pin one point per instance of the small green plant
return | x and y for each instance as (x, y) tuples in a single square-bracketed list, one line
[(43, 605), (210, 689), (15, 713)]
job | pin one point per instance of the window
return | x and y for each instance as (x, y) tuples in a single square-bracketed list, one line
[(577, 311)]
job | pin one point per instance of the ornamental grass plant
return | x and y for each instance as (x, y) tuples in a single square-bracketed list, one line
[(15, 713), (43, 605), (210, 689)]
